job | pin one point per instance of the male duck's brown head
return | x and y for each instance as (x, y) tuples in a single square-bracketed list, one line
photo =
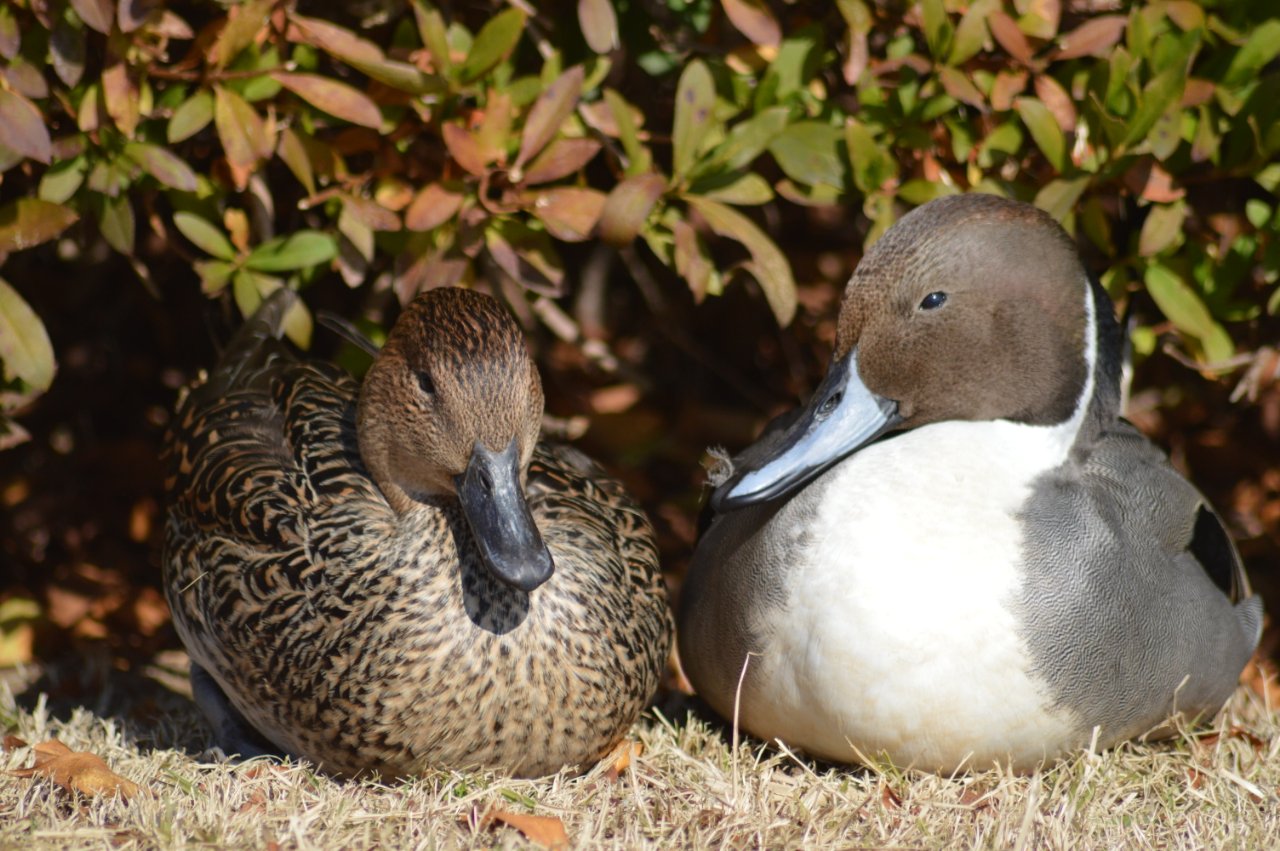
[(452, 407), (971, 307)]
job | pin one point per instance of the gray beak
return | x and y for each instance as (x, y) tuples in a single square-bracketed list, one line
[(499, 517), (842, 416)]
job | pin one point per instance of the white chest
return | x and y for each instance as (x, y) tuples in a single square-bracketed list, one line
[(899, 635)]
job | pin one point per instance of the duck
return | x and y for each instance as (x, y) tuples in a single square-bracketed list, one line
[(397, 576), (958, 554)]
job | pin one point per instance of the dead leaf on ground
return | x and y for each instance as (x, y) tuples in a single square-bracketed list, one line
[(78, 771), (546, 831)]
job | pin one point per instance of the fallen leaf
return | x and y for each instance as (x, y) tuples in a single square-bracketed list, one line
[(546, 831), (12, 743), (78, 771), (890, 799)]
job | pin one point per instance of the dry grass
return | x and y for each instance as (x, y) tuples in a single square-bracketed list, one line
[(690, 788)]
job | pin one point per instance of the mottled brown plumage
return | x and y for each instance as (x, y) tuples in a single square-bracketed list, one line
[(322, 571)]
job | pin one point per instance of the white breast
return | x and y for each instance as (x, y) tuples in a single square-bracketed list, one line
[(898, 636)]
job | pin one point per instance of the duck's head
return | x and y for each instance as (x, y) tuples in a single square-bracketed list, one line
[(971, 307), (452, 407)]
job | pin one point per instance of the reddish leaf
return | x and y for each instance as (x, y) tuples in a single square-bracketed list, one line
[(1007, 85), (1149, 181), (1092, 38), (753, 19), (85, 773), (244, 23), (692, 262), (97, 14), (244, 135), (526, 255), (549, 113), (30, 221), (464, 149), (434, 205), (1055, 97), (628, 206), (334, 39), (1197, 93), (599, 24), (371, 214), (66, 51), (163, 165), (570, 213), (1006, 32), (120, 95), (22, 127), (545, 831), (561, 158), (337, 99), (961, 87)]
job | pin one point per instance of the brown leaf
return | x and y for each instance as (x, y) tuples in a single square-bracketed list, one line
[(1149, 181), (120, 94), (1006, 32), (370, 213), (569, 212), (436, 204), (97, 14), (599, 24), (244, 22), (1007, 86), (692, 262), (1059, 103), (30, 221), (464, 149), (22, 127), (890, 799), (12, 743), (628, 206), (337, 99), (1092, 38), (546, 831), (331, 38), (77, 771), (753, 19), (1197, 93), (549, 113), (959, 85), (244, 135), (561, 158)]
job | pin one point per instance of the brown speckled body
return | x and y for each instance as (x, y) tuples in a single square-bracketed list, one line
[(367, 638)]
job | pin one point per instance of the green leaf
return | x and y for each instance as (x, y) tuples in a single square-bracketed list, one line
[(10, 34), (62, 180), (1044, 130), (638, 157), (22, 127), (244, 22), (1184, 308), (971, 32), (872, 164), (117, 223), (204, 235), (549, 112), (293, 152), (163, 165), (1157, 96), (937, 28), (25, 351), (1058, 197), (628, 206), (746, 140), (1162, 228), (1263, 46), (192, 116), (739, 188), (768, 264), (337, 99), (31, 221), (790, 71), (809, 152), (695, 96), (431, 29), (495, 41), (214, 275), (243, 133), (300, 250)]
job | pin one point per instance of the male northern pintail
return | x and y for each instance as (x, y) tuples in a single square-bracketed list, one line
[(957, 554), (409, 581)]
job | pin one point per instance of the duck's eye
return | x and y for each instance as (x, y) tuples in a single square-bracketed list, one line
[(424, 381), (829, 405), (933, 301)]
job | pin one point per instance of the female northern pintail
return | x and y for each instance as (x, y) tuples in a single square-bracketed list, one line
[(957, 553), (410, 581)]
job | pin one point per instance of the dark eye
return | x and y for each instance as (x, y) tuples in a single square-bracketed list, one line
[(829, 405), (424, 381), (933, 301)]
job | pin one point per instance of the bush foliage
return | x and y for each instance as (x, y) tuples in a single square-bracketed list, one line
[(270, 141)]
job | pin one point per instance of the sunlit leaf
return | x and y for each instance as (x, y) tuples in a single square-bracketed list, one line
[(434, 205), (599, 24), (638, 158), (63, 179), (98, 14), (809, 152), (960, 86), (22, 127), (204, 234), (1157, 96), (1162, 228), (192, 116), (1044, 130), (370, 213), (746, 140), (543, 831), (243, 133), (463, 148), (495, 41), (1059, 197), (1263, 46), (85, 773), (628, 207), (1005, 30), (937, 28), (120, 95), (971, 32), (25, 350), (1184, 308), (753, 19), (695, 96), (561, 158), (570, 213), (1094, 37), (768, 265), (244, 22), (549, 113), (30, 221), (337, 99), (432, 31), (299, 250), (872, 164)]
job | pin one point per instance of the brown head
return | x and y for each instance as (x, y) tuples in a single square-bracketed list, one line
[(452, 407), (972, 307)]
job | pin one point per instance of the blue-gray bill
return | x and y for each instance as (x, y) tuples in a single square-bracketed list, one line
[(842, 416), (500, 520)]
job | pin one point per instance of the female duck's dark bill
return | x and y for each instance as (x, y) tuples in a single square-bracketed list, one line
[(842, 416), (500, 520)]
